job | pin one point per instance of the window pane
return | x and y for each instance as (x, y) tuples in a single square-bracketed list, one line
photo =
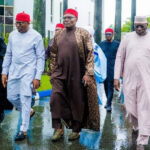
[(8, 11), (2, 11), (1, 28), (9, 2), (8, 28), (8, 20), (1, 2), (1, 20)]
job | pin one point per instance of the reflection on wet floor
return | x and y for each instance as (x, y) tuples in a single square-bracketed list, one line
[(115, 132)]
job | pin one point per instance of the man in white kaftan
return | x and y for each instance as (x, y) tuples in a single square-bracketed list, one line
[(23, 64), (133, 62)]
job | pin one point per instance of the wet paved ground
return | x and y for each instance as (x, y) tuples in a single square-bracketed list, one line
[(115, 132)]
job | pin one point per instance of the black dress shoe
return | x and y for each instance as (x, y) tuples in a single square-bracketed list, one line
[(20, 136), (2, 115), (109, 109), (105, 106)]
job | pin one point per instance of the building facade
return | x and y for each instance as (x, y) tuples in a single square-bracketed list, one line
[(6, 15), (54, 13)]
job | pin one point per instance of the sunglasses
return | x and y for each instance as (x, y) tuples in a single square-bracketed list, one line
[(69, 18), (141, 26), (108, 34)]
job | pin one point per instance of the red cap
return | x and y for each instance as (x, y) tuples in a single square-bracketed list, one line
[(71, 11), (23, 17), (109, 30), (59, 25)]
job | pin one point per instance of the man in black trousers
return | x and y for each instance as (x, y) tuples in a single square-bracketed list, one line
[(4, 104), (109, 47)]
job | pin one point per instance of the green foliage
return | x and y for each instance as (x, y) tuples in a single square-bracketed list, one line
[(46, 40), (45, 83), (47, 68), (5, 37), (127, 26), (148, 19)]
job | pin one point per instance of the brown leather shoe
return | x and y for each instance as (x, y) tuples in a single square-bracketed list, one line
[(58, 134), (74, 136)]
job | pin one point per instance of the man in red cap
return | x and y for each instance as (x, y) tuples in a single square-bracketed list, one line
[(22, 68), (74, 96), (109, 47), (59, 26)]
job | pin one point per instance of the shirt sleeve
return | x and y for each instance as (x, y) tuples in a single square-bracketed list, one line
[(40, 57), (120, 59), (8, 58)]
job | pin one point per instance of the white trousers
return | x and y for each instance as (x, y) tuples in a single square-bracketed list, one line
[(23, 104)]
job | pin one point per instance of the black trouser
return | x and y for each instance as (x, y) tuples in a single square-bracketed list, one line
[(109, 90), (4, 103), (2, 97)]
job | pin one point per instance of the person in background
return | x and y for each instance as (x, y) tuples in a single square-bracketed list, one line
[(22, 68), (74, 95), (2, 89), (109, 47), (59, 26), (133, 62), (100, 64)]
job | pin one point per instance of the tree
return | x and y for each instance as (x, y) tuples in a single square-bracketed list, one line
[(39, 16), (98, 20), (118, 20), (126, 26), (65, 5), (133, 13)]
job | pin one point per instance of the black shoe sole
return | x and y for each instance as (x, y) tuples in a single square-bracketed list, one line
[(109, 111), (73, 139), (21, 139), (57, 139)]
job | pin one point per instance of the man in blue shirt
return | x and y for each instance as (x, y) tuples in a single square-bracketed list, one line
[(109, 47)]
